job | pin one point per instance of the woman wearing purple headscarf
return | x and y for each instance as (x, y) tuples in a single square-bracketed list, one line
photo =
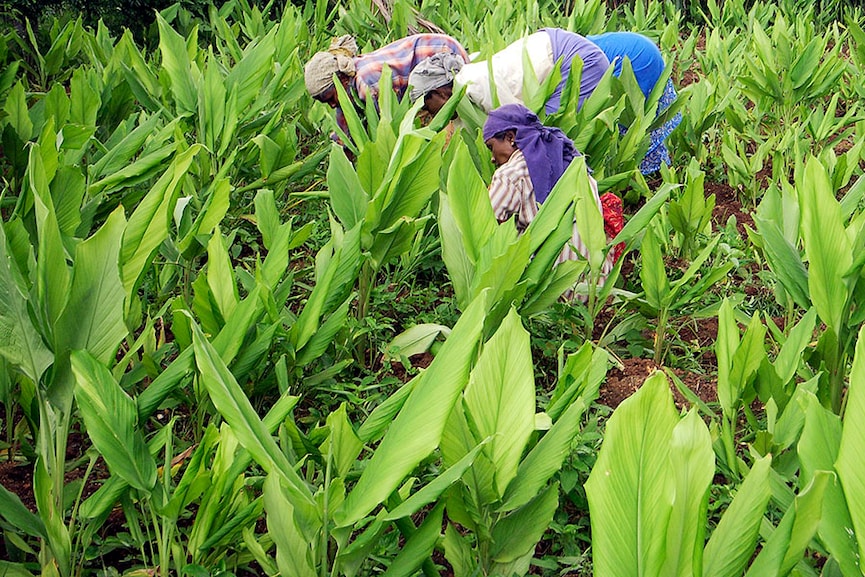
[(530, 158)]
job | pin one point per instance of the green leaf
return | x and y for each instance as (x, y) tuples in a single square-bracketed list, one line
[(17, 113), (818, 450), (469, 202), (220, 276), (434, 489), (827, 245), (235, 408), (348, 198), (644, 216), (517, 533), (629, 489), (342, 444), (58, 541), (21, 343), (419, 546), (176, 63), (788, 541), (851, 454), (545, 458), (111, 418), (52, 272), (652, 274), (19, 516), (734, 539), (416, 430), (790, 356), (93, 317), (414, 340), (590, 222), (294, 553), (148, 225), (500, 397), (692, 463)]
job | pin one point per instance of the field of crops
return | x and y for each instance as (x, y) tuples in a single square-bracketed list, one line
[(230, 346)]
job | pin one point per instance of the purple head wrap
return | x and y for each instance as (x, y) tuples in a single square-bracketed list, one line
[(547, 150)]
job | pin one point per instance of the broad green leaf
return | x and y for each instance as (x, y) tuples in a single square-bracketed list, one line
[(818, 450), (851, 454), (826, 245), (175, 61), (52, 272), (19, 516), (788, 359), (652, 274), (415, 340), (122, 152), (726, 346), (416, 430), (59, 541), (347, 197), (590, 222), (545, 458), (734, 539), (342, 444), (111, 418), (294, 554), (84, 99), (21, 344), (786, 545), (500, 397), (519, 531), (458, 552), (220, 276), (644, 216), (148, 225), (18, 115), (234, 406), (419, 546), (692, 463), (460, 267), (629, 490), (469, 202), (434, 489), (93, 317)]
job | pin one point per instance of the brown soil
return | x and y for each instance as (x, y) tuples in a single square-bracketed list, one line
[(622, 383), (17, 477), (420, 361), (727, 204)]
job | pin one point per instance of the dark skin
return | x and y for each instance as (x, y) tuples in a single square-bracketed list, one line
[(330, 96), (503, 146), (435, 99)]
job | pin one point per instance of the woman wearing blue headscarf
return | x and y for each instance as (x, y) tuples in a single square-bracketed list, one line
[(648, 65)]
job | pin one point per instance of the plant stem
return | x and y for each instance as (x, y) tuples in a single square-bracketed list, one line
[(660, 331)]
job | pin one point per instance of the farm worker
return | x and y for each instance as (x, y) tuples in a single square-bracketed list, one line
[(648, 65), (434, 81), (531, 158), (360, 74)]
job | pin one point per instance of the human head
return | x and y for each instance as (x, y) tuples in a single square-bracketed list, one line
[(433, 80), (547, 150), (337, 59), (502, 145)]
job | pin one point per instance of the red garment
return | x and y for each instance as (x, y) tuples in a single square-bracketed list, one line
[(614, 220)]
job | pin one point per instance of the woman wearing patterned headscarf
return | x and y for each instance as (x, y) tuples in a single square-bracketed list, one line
[(531, 158), (360, 74)]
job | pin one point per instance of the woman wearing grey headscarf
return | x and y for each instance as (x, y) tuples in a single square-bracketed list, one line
[(543, 49)]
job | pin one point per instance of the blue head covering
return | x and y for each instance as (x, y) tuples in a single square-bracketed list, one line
[(547, 150)]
